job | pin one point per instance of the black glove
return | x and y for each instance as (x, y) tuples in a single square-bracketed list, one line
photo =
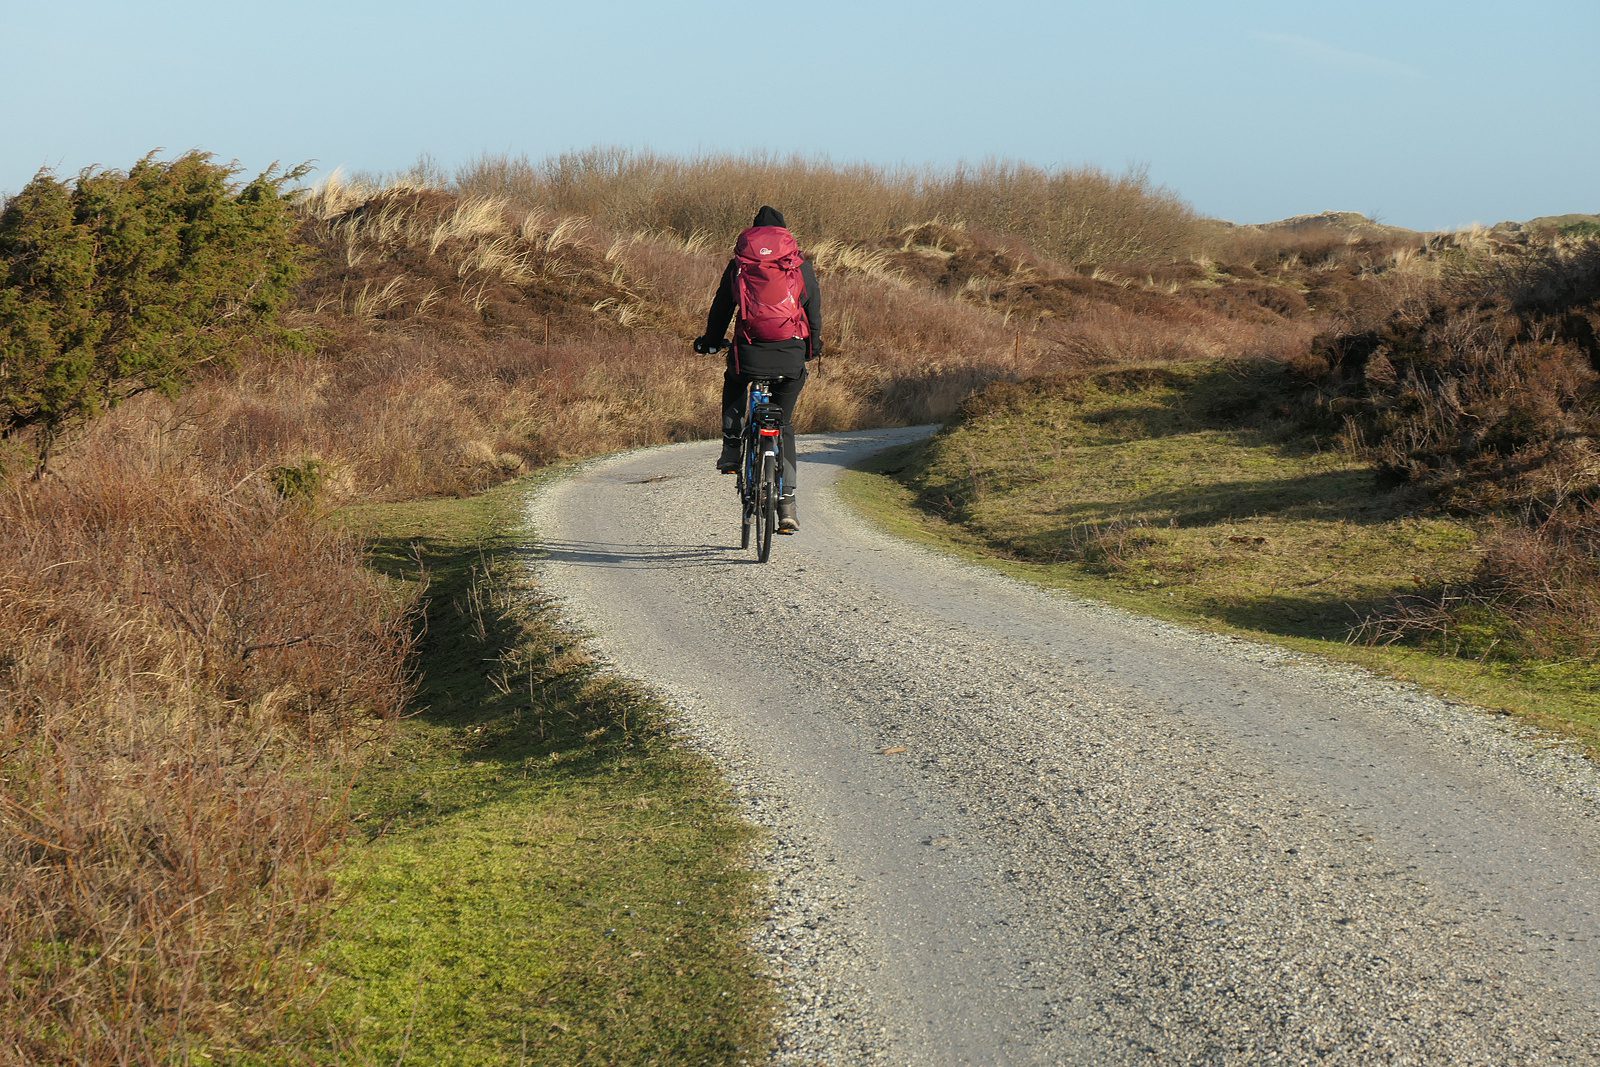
[(706, 346), (815, 351)]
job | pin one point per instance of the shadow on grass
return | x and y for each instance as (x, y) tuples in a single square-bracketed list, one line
[(1252, 400), (1323, 617), (497, 682), (539, 852), (849, 453), (1336, 495)]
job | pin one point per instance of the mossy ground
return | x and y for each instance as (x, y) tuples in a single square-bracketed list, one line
[(1193, 492), (545, 877)]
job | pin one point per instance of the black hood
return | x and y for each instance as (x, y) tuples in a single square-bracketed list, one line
[(769, 216)]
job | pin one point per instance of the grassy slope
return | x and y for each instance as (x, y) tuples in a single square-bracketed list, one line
[(546, 878), (1173, 492)]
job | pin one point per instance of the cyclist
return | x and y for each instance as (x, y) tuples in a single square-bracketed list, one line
[(778, 330)]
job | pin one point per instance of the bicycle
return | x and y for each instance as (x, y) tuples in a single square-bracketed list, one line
[(760, 470)]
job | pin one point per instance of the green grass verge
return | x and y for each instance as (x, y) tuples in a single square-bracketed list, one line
[(1185, 493), (545, 876)]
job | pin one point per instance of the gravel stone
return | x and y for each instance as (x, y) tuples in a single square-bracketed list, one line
[(1008, 825)]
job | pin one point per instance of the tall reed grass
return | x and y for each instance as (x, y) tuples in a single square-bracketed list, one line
[(1073, 214)]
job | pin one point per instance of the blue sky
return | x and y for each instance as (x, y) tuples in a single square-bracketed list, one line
[(1424, 114)]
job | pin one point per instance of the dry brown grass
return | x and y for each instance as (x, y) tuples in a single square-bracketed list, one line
[(409, 416), (1317, 246), (188, 666), (1544, 577), (1072, 214), (469, 335), (1533, 597), (584, 351), (425, 260)]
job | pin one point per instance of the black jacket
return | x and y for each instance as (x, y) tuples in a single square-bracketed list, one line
[(777, 358)]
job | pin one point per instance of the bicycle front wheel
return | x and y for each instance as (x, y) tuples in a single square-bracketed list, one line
[(766, 505)]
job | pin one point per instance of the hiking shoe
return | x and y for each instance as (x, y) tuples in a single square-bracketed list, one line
[(788, 515), (728, 462)]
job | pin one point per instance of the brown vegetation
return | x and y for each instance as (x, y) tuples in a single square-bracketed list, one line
[(187, 666), (1073, 215), (1485, 389), (474, 331)]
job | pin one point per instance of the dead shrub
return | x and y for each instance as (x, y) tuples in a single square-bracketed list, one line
[(1111, 548), (1487, 391), (1535, 595), (1546, 579)]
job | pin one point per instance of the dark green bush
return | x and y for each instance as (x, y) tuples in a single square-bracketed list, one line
[(118, 282), (301, 481)]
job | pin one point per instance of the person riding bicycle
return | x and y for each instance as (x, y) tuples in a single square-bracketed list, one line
[(773, 289)]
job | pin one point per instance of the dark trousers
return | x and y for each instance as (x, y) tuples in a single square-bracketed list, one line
[(785, 393)]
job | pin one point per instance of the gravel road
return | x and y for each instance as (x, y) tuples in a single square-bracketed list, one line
[(1013, 826)]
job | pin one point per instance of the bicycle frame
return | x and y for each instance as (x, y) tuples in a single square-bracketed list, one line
[(760, 439)]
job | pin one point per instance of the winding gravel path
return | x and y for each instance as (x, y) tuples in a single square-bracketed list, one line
[(1012, 826)]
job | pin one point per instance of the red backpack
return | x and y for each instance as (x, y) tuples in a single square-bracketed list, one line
[(769, 286)]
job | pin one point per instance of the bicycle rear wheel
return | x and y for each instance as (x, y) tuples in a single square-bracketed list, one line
[(766, 506)]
